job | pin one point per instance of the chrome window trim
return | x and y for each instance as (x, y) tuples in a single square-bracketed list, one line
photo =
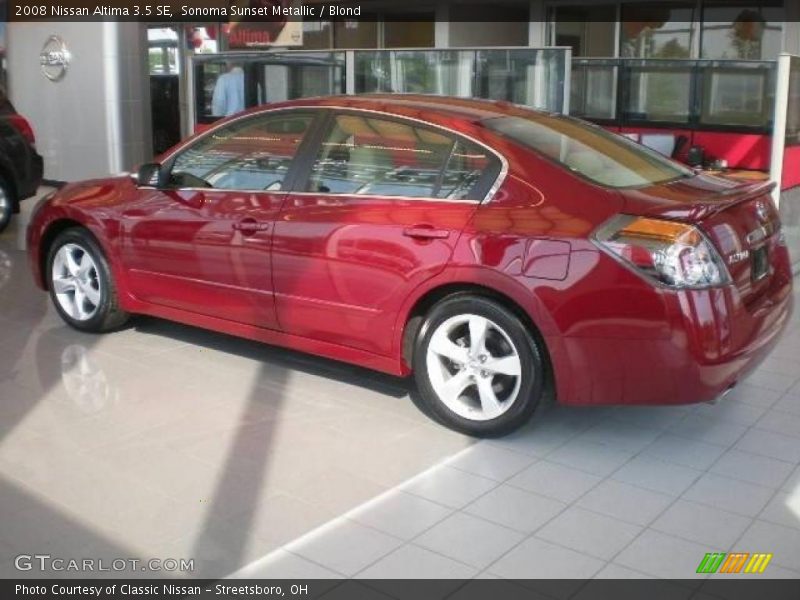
[(501, 176), (387, 197), (326, 194), (212, 190)]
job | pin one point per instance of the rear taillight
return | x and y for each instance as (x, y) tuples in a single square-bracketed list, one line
[(21, 124), (669, 253)]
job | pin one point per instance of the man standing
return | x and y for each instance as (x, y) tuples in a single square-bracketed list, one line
[(228, 95)]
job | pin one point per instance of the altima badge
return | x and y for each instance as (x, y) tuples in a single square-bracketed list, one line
[(738, 257)]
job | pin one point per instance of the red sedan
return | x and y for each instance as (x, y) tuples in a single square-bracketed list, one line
[(492, 251)]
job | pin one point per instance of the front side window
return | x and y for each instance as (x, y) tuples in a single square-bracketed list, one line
[(252, 154), (589, 151), (363, 155)]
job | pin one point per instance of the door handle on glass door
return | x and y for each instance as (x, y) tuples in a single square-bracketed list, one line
[(426, 232)]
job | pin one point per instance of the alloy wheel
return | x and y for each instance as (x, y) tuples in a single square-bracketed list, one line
[(474, 367), (76, 283)]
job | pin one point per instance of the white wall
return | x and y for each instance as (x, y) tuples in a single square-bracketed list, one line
[(95, 120)]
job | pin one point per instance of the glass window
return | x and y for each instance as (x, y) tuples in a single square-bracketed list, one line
[(742, 95), (742, 30), (444, 72), (162, 45), (593, 91), (524, 76), (206, 75), (588, 30), (356, 34), (466, 164), (468, 29), (368, 156), (317, 35), (659, 94), (251, 154), (589, 151), (408, 33), (657, 30)]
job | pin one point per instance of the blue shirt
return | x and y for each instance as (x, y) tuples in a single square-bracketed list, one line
[(228, 95)]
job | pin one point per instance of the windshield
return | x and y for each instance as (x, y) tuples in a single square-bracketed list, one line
[(590, 151)]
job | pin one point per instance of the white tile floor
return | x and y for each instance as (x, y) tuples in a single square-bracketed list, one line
[(166, 441), (604, 492)]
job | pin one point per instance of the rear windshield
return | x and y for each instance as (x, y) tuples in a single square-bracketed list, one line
[(589, 151)]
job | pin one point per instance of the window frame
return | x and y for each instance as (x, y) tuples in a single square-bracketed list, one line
[(317, 115), (651, 154), (300, 169), (482, 191)]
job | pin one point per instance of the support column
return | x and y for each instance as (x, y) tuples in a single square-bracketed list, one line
[(537, 24), (779, 125), (95, 120), (441, 31)]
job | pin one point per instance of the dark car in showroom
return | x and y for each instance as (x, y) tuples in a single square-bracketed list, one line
[(491, 251), (20, 164)]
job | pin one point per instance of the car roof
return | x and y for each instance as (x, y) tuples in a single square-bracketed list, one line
[(436, 109)]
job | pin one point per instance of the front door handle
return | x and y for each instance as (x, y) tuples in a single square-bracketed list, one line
[(250, 226), (426, 232)]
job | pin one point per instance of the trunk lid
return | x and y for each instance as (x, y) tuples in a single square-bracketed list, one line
[(738, 217)]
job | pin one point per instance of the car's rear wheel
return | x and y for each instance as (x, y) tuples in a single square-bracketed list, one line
[(6, 204), (81, 284), (477, 367)]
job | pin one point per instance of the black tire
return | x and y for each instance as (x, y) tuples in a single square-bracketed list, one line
[(6, 204), (108, 315), (532, 373)]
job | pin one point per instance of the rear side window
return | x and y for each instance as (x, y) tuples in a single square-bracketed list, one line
[(465, 170), (364, 155), (589, 151)]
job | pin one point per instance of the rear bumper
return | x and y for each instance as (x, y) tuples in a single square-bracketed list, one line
[(714, 341)]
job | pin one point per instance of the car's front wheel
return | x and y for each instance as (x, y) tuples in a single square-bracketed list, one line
[(81, 284), (6, 204), (477, 367)]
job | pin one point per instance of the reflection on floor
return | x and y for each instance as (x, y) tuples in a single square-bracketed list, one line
[(163, 441)]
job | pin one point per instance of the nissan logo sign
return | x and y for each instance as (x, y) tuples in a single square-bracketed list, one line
[(54, 58)]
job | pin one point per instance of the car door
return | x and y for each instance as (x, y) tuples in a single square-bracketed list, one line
[(202, 243), (378, 212)]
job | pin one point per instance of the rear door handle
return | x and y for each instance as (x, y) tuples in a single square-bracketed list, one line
[(426, 232), (249, 226)]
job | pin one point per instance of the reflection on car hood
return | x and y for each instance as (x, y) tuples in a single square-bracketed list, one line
[(94, 192)]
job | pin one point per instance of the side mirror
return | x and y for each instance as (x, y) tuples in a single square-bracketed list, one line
[(151, 175)]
